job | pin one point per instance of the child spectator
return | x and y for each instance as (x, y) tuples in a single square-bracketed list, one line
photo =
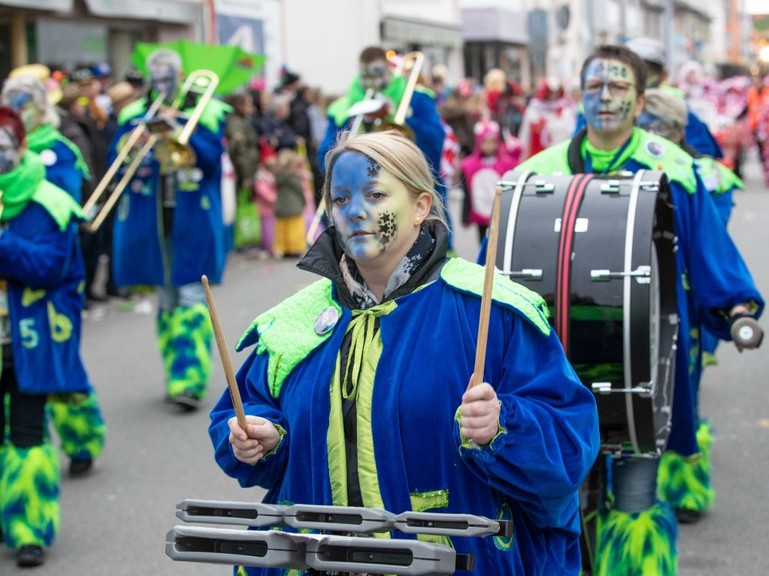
[(266, 195), (289, 206), (480, 173)]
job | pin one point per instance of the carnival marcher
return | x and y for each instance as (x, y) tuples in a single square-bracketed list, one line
[(376, 80), (77, 417), (41, 269), (364, 392), (636, 532), (684, 483), (171, 215), (480, 173)]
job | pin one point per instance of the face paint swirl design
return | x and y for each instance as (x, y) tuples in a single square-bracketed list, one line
[(609, 95), (370, 209)]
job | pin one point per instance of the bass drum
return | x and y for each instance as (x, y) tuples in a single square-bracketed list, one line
[(601, 251)]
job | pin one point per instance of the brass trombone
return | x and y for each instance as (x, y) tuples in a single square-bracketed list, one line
[(173, 149)]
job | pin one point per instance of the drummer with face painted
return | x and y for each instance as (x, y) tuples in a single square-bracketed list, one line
[(41, 269), (360, 380), (714, 289)]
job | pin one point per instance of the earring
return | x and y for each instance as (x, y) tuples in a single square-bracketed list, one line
[(417, 221)]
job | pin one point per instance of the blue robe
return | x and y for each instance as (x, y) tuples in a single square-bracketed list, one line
[(197, 236), (410, 453)]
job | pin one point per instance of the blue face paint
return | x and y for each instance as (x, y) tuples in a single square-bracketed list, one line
[(370, 208), (17, 99), (609, 96)]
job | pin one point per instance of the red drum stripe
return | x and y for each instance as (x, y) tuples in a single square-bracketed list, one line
[(575, 194)]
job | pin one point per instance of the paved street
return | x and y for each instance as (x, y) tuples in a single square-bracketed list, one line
[(114, 521)]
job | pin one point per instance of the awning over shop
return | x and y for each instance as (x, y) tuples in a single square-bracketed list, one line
[(179, 11), (49, 5), (420, 32), (494, 25)]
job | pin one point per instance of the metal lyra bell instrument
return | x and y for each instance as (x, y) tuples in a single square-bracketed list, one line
[(341, 546), (372, 103), (171, 143)]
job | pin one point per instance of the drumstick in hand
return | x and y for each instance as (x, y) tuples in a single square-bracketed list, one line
[(488, 283), (229, 373)]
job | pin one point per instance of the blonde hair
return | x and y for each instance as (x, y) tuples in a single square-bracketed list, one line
[(287, 159), (396, 154)]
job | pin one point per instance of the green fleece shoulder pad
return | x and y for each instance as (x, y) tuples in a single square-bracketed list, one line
[(717, 177), (468, 277), (553, 160), (660, 154), (287, 332), (214, 114), (132, 110), (60, 205), (337, 110)]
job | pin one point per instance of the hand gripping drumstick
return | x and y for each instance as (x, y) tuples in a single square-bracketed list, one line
[(229, 373), (488, 282)]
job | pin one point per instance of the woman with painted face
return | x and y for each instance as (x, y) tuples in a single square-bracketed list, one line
[(359, 381), (40, 270), (78, 418), (636, 532)]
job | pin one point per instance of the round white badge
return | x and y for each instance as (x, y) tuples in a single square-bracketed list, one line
[(48, 157), (326, 321)]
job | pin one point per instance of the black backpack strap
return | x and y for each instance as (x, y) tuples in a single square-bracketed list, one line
[(574, 154)]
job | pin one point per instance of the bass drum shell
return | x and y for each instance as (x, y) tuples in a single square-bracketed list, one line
[(601, 252)]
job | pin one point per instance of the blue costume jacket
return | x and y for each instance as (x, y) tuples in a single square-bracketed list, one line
[(712, 274), (40, 259), (197, 236), (410, 453), (64, 165)]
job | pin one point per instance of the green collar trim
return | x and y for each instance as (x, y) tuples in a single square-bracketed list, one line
[(657, 153), (468, 277), (45, 136), (290, 328)]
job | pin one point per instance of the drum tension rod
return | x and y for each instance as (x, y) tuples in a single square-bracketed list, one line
[(642, 274), (533, 273), (604, 388)]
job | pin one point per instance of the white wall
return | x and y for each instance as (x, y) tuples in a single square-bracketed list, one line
[(324, 37)]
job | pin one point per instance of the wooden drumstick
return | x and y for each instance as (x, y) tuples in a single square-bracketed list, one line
[(488, 283), (229, 373)]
